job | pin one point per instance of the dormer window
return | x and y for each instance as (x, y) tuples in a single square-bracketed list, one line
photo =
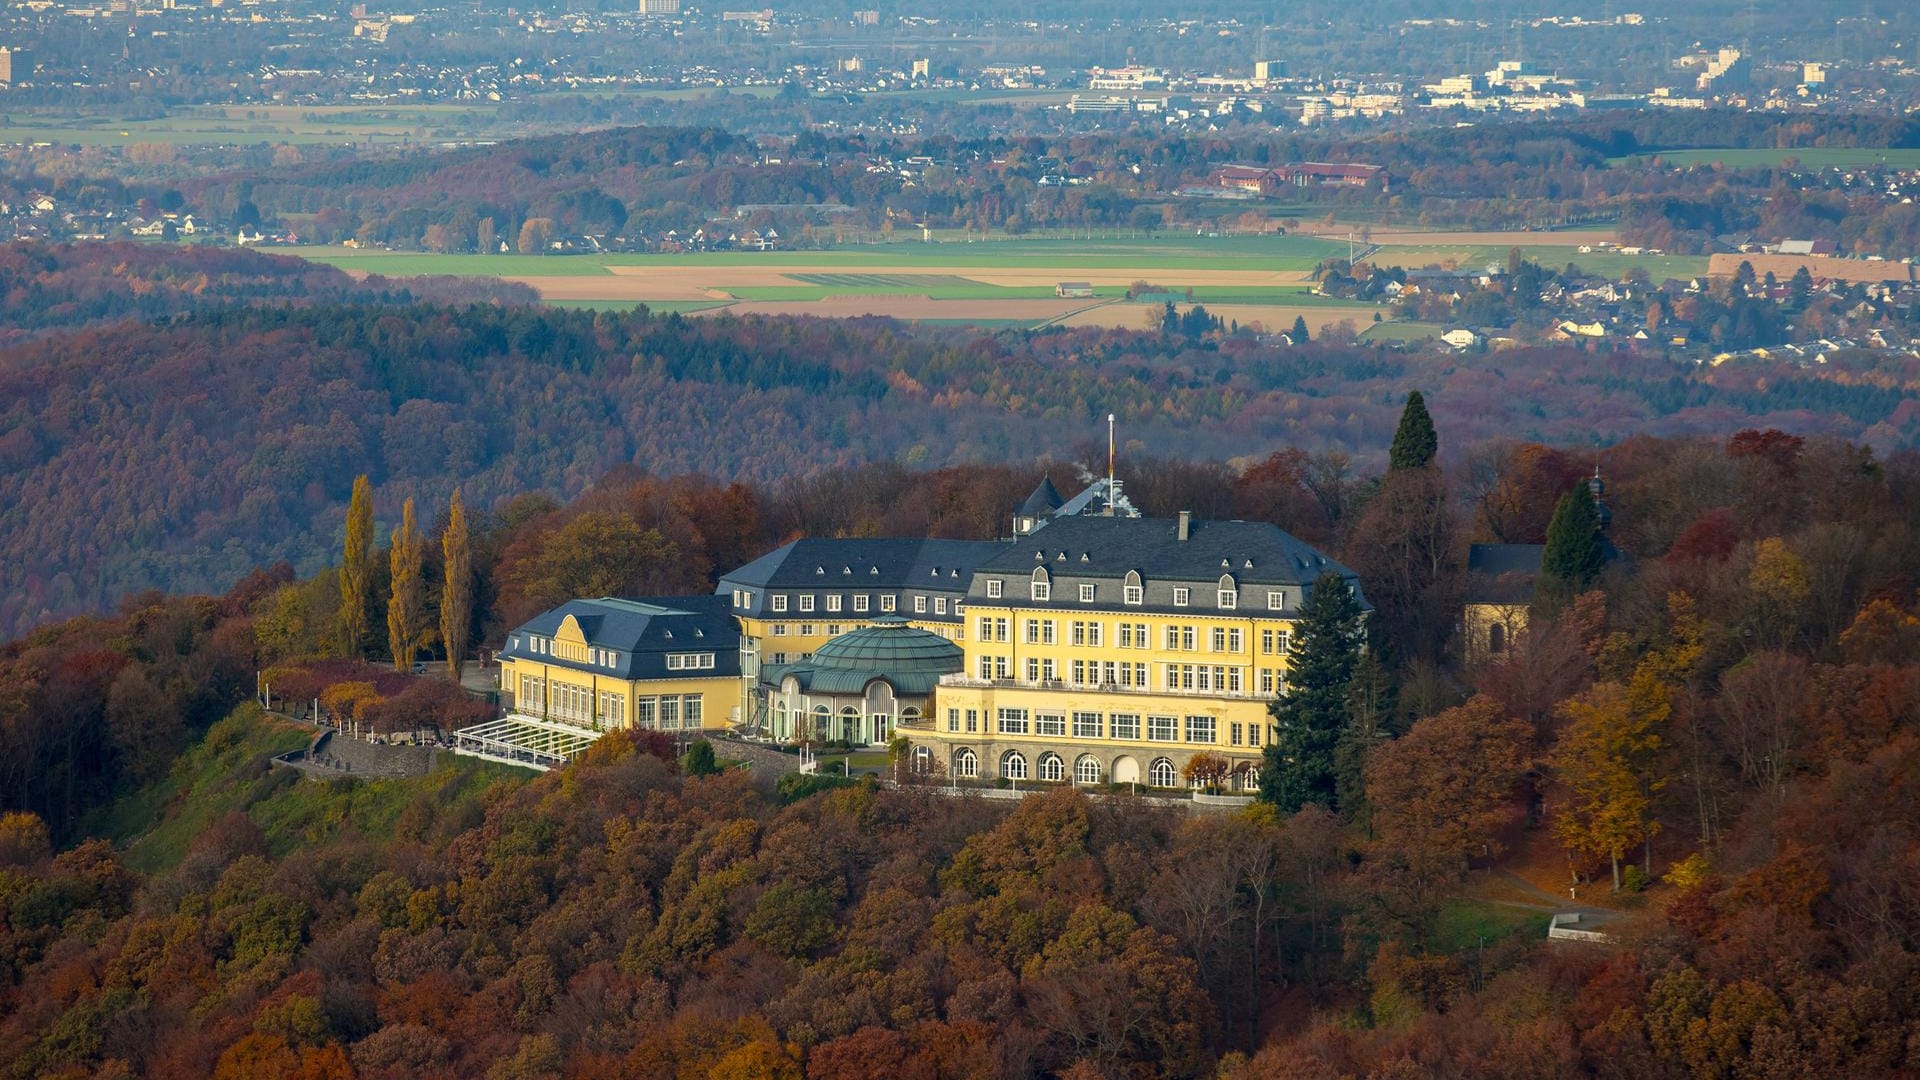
[(1181, 595), (779, 601), (1133, 591), (995, 588), (806, 601), (1229, 594), (1086, 594), (819, 571), (1276, 600), (860, 602), (1041, 588)]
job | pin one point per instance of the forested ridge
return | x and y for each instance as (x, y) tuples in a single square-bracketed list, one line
[(1732, 709), (179, 454)]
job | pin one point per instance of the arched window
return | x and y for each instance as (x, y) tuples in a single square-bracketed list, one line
[(966, 765), (1051, 770), (1086, 770), (821, 720), (922, 760), (1229, 593), (1042, 586), (1250, 778), (1133, 590), (1497, 638), (1162, 774), (1014, 765)]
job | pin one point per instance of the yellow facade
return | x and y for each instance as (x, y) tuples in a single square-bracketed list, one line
[(1490, 630), (1106, 695), (693, 702)]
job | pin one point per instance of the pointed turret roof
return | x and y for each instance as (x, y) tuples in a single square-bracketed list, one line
[(1045, 500)]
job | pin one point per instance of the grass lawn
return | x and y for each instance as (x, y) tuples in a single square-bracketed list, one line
[(1813, 157), (226, 771), (859, 759), (1467, 924), (1401, 331)]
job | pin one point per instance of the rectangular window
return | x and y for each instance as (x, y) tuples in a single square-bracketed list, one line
[(779, 629), (833, 602), (986, 667), (1086, 725), (939, 605), (1276, 601), (986, 628), (1283, 642), (1126, 725), (861, 602), (1229, 598), (888, 602), (1032, 631), (645, 713), (1163, 729), (1054, 724), (1047, 671), (1033, 669), (1132, 594), (973, 721), (1046, 631), (1233, 734), (1086, 594), (669, 713), (1041, 590), (953, 720), (806, 629), (1173, 637), (1080, 672), (1200, 729), (1218, 639), (1233, 680), (777, 658), (1013, 721), (806, 601), (693, 715), (1000, 667), (920, 605), (1181, 594), (779, 601), (1235, 640), (833, 629), (995, 588)]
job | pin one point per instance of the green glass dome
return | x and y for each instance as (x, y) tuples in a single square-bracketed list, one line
[(890, 646)]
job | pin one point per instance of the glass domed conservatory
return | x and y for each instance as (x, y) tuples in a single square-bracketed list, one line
[(858, 687)]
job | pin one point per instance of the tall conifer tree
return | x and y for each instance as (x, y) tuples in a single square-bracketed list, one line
[(353, 569), (1311, 714), (1414, 442), (456, 595), (1574, 554), (406, 610)]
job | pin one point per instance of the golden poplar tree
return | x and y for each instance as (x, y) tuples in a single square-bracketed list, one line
[(406, 611), (456, 597), (353, 569)]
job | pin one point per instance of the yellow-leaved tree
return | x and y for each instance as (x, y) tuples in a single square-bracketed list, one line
[(353, 569), (1608, 757), (406, 610)]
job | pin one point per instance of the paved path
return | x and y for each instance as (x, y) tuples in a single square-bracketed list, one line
[(334, 755)]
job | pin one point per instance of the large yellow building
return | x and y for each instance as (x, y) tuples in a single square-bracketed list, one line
[(672, 665), (1115, 649)]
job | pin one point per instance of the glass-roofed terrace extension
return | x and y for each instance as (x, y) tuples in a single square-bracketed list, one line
[(859, 687)]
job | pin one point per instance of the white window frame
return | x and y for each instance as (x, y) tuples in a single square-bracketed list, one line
[(996, 588), (1277, 600), (806, 601), (1229, 599), (919, 605), (861, 602), (1133, 594), (889, 602), (779, 601), (1086, 594), (1041, 590), (1181, 595), (833, 602)]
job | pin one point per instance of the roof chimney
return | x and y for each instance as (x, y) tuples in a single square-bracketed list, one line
[(1186, 524)]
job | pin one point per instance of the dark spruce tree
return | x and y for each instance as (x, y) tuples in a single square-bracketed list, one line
[(1414, 442), (1574, 553), (1299, 334), (1313, 712)]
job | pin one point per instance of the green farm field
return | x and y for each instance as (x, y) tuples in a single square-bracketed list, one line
[(1555, 256), (1818, 157)]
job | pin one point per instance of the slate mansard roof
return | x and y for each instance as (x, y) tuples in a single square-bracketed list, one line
[(1103, 550), (857, 565), (640, 633)]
